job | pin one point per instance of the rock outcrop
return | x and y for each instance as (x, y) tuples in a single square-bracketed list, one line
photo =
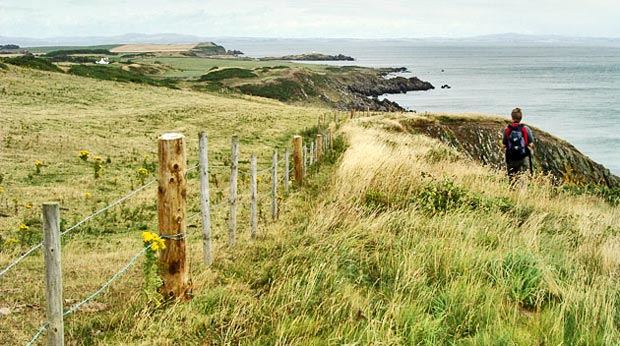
[(481, 139)]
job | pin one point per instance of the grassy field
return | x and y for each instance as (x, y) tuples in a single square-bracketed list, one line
[(401, 241)]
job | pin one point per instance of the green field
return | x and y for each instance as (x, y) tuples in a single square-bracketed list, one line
[(195, 67)]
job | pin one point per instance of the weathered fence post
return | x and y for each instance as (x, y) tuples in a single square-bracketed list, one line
[(253, 193), (305, 159), (331, 139), (205, 202), (53, 274), (232, 198), (274, 185), (298, 160), (286, 169), (352, 113), (319, 147), (171, 195)]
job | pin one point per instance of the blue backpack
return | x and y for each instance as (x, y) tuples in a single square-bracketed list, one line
[(517, 139)]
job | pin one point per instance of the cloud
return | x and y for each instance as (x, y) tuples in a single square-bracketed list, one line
[(319, 18)]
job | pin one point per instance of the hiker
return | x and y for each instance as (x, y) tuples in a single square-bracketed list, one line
[(518, 144)]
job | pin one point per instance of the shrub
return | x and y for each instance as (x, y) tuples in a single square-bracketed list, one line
[(30, 61), (228, 73), (117, 74), (281, 89)]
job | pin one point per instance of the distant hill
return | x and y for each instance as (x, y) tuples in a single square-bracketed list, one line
[(171, 38)]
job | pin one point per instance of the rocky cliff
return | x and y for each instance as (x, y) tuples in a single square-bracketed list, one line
[(480, 138)]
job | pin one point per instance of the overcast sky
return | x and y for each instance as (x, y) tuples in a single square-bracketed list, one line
[(309, 18)]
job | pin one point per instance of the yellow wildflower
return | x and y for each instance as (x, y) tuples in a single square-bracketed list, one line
[(28, 205), (11, 241), (87, 194), (97, 159), (83, 155), (152, 238), (38, 163), (23, 227), (143, 171), (259, 179)]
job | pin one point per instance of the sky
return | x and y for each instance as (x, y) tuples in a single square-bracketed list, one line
[(310, 18)]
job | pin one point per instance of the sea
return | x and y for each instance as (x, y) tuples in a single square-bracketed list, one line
[(569, 90)]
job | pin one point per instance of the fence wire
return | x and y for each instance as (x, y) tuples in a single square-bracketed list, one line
[(92, 296), (34, 248)]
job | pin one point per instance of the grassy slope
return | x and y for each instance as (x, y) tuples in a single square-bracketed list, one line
[(401, 242), (51, 117)]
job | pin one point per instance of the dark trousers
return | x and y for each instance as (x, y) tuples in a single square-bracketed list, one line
[(516, 167)]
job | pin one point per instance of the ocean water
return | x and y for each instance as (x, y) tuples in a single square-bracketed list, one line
[(573, 92)]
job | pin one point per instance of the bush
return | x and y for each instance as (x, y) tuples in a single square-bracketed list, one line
[(118, 75), (281, 89), (228, 73), (30, 61), (58, 53)]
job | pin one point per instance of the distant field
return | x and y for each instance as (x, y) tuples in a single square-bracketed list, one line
[(44, 50), (153, 48), (195, 67)]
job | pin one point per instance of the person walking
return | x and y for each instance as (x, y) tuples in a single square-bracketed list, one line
[(518, 142)]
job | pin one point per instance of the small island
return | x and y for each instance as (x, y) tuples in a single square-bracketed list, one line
[(310, 57)]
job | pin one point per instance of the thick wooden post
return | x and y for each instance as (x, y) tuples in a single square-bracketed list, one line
[(286, 169), (253, 193), (171, 215), (274, 185), (53, 274), (319, 147), (205, 202), (232, 198), (298, 160)]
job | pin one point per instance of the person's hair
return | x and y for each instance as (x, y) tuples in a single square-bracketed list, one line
[(516, 115)]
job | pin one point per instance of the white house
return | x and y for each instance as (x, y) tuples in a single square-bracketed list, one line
[(102, 61)]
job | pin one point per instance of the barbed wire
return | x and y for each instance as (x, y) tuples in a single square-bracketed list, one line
[(34, 248), (92, 296)]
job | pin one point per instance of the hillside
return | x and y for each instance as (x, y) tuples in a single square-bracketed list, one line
[(402, 240)]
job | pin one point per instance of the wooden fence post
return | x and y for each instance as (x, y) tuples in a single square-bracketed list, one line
[(331, 139), (53, 274), (274, 185), (298, 160), (171, 203), (253, 193), (232, 198), (352, 113), (319, 147), (286, 169), (305, 159), (205, 202)]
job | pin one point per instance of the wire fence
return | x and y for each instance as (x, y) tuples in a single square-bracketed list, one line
[(225, 200)]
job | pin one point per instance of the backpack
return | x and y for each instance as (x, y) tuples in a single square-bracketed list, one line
[(517, 141)]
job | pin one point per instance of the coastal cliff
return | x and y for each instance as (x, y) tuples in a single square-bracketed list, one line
[(479, 138)]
